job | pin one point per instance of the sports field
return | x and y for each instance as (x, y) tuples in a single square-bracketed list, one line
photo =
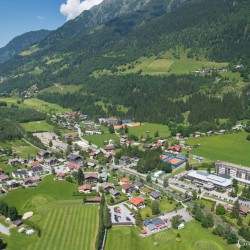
[(233, 148), (193, 237), (65, 222)]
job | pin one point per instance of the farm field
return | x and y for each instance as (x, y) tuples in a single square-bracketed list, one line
[(20, 147), (193, 237), (65, 222), (232, 148), (151, 128), (37, 104), (37, 126)]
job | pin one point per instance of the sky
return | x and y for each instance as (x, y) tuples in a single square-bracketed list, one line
[(20, 16)]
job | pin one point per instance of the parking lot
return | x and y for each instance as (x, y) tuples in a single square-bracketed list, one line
[(120, 214)]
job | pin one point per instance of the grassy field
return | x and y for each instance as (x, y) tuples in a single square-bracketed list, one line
[(37, 104), (233, 148), (99, 140), (151, 128), (20, 147), (37, 126), (61, 89), (193, 237), (65, 222)]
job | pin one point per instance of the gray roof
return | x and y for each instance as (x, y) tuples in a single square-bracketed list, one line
[(151, 227), (114, 192), (138, 184), (73, 157), (157, 221), (155, 194), (146, 222), (20, 172)]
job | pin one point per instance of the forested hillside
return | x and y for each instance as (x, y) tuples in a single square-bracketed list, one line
[(212, 30)]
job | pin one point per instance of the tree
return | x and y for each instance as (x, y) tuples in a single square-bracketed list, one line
[(50, 143), (100, 180), (2, 244), (236, 210), (80, 176), (165, 182), (194, 195), (239, 221), (53, 171), (148, 178), (235, 188), (232, 238), (12, 213), (220, 210), (176, 221), (156, 133), (126, 129), (155, 208), (248, 138), (111, 129), (4, 208), (138, 219), (188, 166), (107, 217), (219, 230), (69, 179), (111, 200)]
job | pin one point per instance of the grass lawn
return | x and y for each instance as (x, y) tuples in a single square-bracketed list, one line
[(151, 128), (37, 104), (20, 147), (233, 148), (193, 237), (37, 126), (65, 222), (99, 140)]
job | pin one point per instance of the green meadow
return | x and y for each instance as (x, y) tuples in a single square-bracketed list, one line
[(150, 129), (65, 222), (193, 237), (101, 140), (63, 89), (233, 148), (37, 126)]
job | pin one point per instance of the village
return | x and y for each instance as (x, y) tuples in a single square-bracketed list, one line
[(154, 200)]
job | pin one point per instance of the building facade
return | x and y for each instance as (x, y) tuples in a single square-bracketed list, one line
[(238, 172)]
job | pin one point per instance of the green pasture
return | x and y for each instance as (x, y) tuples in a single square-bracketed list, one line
[(193, 237), (20, 147), (101, 140), (150, 129), (37, 126), (37, 104), (232, 148)]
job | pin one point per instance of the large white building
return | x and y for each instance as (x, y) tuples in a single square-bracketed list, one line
[(238, 172)]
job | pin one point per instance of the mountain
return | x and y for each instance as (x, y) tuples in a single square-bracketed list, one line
[(20, 43), (105, 50)]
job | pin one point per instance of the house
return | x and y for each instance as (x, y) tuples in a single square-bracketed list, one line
[(36, 171), (175, 148), (138, 185), (104, 176), (124, 180), (32, 180), (17, 223), (109, 148), (44, 154), (86, 188), (158, 222), (137, 203), (51, 161), (60, 176), (72, 166), (244, 210), (113, 120), (107, 186), (20, 174), (91, 177), (91, 164), (4, 177), (125, 160), (154, 195), (127, 188), (114, 193), (95, 200), (74, 158), (15, 161)]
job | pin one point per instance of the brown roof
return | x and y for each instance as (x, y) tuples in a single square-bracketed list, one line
[(244, 209), (127, 186), (85, 187), (91, 175), (73, 166)]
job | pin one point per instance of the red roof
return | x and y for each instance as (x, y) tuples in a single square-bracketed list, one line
[(85, 187), (109, 148), (91, 175), (175, 161), (92, 154), (136, 201), (125, 179), (97, 199), (176, 148), (127, 186), (244, 209), (73, 166), (60, 174)]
